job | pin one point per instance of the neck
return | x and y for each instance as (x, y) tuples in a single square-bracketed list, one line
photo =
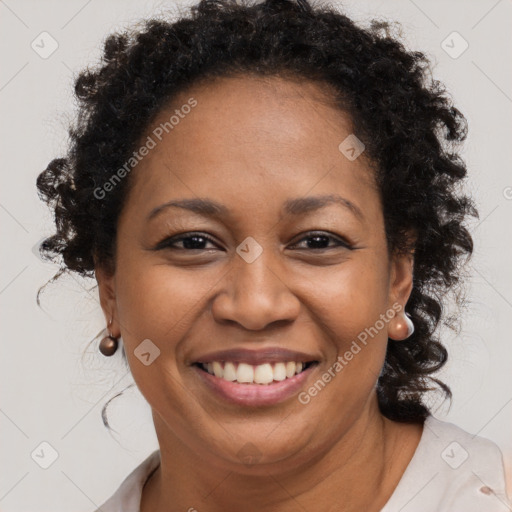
[(367, 456)]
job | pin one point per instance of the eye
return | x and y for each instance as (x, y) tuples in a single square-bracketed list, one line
[(319, 240), (191, 241), (196, 241)]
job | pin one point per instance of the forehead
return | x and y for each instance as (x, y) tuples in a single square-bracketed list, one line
[(252, 140)]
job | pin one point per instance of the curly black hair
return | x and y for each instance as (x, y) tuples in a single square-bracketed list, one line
[(407, 121)]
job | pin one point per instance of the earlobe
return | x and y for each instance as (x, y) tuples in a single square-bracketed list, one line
[(401, 326)]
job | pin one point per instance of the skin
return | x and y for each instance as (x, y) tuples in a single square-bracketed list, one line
[(251, 144)]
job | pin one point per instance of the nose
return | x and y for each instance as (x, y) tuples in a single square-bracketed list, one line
[(255, 295)]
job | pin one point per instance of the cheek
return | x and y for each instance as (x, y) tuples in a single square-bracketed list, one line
[(350, 297), (351, 320), (350, 301), (158, 301)]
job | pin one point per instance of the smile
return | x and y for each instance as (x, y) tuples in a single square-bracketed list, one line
[(254, 385), (244, 373)]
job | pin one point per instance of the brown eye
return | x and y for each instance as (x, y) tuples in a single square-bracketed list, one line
[(190, 241), (320, 241)]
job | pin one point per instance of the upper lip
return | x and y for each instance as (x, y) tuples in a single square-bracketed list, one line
[(256, 357)]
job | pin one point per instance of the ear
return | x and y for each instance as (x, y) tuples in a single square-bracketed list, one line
[(107, 293), (401, 278)]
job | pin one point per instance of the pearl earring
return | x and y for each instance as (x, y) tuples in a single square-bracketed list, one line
[(108, 345), (405, 321)]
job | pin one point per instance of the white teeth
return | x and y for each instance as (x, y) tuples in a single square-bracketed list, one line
[(248, 374), (279, 371), (217, 369), (229, 371), (245, 373), (263, 374), (290, 369)]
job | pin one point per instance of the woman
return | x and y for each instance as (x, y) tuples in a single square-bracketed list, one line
[(268, 198)]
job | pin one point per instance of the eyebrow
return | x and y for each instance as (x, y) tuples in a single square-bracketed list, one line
[(297, 206)]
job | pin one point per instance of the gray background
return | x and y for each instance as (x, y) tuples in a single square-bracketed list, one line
[(50, 395)]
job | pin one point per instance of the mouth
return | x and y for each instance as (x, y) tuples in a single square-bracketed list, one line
[(251, 385), (261, 374)]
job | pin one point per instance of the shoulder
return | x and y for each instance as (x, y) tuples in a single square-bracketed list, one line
[(451, 470), (128, 495)]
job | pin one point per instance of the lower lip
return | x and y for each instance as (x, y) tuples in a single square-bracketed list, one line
[(255, 394)]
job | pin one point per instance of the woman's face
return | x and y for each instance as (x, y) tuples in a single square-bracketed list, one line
[(283, 270)]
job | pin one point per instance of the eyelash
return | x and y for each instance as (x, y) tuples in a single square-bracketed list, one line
[(167, 243)]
